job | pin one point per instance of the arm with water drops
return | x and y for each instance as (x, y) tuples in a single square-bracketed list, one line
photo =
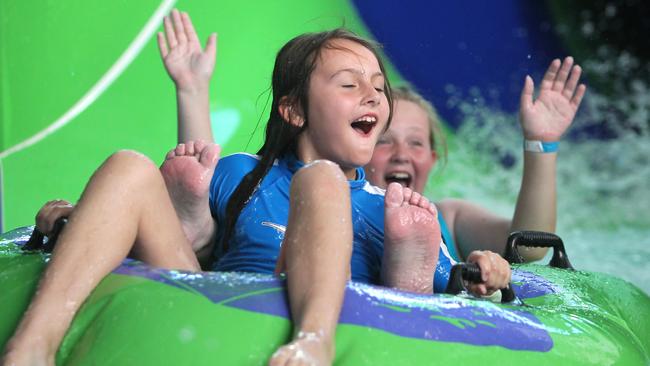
[(545, 119)]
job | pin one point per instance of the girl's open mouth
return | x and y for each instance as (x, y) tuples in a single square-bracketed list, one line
[(365, 124), (402, 178)]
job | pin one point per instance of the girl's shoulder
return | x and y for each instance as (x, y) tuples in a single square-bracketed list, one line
[(234, 167), (238, 161)]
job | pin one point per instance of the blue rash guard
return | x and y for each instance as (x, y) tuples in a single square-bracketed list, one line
[(259, 230)]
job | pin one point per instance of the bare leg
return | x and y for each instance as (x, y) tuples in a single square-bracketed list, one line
[(316, 254), (411, 240), (124, 208)]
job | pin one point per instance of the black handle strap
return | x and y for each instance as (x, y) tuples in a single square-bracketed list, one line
[(37, 240), (537, 239)]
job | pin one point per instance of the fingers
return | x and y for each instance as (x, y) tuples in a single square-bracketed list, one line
[(495, 271), (560, 77), (577, 97), (169, 32), (563, 74), (178, 27), (572, 83), (551, 73), (211, 45), (526, 98), (49, 213), (483, 261), (162, 45), (478, 289), (175, 31), (570, 89), (190, 33)]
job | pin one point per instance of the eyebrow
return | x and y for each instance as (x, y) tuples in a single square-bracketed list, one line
[(355, 71)]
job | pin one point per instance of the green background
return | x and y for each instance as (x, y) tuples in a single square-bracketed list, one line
[(53, 53)]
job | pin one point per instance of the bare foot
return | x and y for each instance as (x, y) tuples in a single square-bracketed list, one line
[(411, 240), (306, 349), (187, 171)]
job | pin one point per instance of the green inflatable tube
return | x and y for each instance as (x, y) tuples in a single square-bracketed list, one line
[(143, 315)]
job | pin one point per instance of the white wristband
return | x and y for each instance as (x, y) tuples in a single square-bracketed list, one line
[(540, 146)]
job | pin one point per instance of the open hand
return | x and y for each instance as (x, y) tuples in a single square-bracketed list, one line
[(189, 66), (549, 116)]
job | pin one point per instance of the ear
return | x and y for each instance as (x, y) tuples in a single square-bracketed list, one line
[(291, 112)]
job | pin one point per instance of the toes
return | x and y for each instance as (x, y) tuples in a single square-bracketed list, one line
[(180, 149), (432, 209), (415, 198), (210, 155), (424, 203), (199, 145), (408, 193), (394, 195), (189, 148)]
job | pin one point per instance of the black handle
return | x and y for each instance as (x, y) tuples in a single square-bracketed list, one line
[(471, 272), (37, 240), (537, 239)]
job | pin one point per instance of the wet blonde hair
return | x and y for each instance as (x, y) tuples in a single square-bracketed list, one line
[(436, 137)]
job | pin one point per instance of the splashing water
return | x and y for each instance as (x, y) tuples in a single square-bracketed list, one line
[(603, 184)]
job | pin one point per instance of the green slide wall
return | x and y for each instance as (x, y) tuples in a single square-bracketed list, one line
[(55, 56)]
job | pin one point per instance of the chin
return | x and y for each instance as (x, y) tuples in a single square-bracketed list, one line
[(360, 160)]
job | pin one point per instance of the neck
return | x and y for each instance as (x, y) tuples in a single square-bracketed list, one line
[(309, 156)]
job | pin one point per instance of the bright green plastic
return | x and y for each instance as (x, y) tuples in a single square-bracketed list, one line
[(592, 319)]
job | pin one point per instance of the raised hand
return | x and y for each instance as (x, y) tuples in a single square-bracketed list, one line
[(189, 66), (548, 117)]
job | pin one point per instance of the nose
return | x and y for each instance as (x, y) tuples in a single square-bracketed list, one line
[(400, 153), (371, 95)]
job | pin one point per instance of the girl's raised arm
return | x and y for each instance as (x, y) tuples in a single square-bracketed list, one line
[(544, 120), (190, 67)]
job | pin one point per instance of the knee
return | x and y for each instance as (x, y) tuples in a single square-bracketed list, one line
[(130, 166), (322, 176)]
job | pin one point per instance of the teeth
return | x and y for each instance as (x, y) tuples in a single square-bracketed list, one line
[(367, 119), (400, 176)]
